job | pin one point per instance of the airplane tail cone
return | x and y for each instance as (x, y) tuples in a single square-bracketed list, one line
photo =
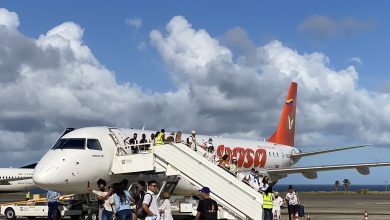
[(365, 215), (285, 132)]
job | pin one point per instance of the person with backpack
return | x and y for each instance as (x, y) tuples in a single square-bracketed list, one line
[(122, 201), (149, 203)]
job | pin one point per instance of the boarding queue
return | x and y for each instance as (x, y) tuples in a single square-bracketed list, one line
[(141, 202)]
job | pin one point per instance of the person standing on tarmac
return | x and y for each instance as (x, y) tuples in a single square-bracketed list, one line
[(150, 201), (52, 203), (207, 207), (28, 194), (122, 200), (292, 202), (278, 202), (268, 204)]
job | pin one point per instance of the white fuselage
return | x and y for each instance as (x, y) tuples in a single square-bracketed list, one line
[(16, 179), (70, 170)]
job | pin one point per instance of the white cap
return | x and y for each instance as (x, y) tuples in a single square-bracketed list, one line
[(193, 132), (234, 158)]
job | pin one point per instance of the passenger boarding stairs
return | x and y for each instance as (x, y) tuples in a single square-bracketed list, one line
[(177, 160)]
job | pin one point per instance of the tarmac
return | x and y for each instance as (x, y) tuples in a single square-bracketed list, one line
[(344, 205), (321, 205)]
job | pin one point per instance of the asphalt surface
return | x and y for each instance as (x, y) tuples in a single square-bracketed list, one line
[(320, 205), (345, 206)]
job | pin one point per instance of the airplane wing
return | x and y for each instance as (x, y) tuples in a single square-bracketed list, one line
[(311, 172), (7, 181), (296, 156)]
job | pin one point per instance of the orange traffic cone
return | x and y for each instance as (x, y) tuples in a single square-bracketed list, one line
[(276, 215), (308, 216), (365, 215)]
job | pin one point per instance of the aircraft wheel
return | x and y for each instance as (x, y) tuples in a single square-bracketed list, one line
[(10, 213), (93, 216)]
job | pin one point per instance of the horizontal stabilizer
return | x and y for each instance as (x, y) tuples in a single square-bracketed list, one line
[(299, 155), (310, 172)]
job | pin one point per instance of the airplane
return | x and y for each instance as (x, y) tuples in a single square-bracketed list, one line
[(17, 179), (86, 154)]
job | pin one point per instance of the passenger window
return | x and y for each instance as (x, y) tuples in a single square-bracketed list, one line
[(94, 144)]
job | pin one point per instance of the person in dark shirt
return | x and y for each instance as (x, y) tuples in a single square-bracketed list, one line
[(143, 141), (133, 141), (207, 208)]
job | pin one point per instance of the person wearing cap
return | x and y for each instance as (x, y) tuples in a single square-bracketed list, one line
[(278, 202), (207, 207), (233, 166), (192, 141)]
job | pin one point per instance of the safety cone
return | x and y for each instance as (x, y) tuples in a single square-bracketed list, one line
[(365, 215), (308, 216), (276, 215)]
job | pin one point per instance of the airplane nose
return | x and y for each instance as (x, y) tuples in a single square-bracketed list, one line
[(42, 174)]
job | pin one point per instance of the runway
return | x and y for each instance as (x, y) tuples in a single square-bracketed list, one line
[(321, 205), (344, 205)]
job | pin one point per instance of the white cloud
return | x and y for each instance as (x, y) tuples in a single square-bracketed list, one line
[(53, 82), (134, 22), (357, 60), (9, 19)]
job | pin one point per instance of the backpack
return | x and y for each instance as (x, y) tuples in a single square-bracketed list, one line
[(188, 140), (139, 211)]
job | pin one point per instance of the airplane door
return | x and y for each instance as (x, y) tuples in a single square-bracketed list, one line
[(118, 136)]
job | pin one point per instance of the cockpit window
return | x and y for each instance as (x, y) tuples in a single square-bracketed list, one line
[(70, 143), (93, 144)]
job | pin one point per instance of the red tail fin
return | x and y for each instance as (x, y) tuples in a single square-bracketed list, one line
[(285, 132)]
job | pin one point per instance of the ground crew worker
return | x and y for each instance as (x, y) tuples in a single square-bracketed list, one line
[(160, 137), (28, 195), (268, 203)]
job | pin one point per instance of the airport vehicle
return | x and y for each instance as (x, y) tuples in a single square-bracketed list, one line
[(87, 154), (16, 179), (33, 209)]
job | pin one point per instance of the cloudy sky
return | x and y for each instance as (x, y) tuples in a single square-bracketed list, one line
[(220, 68)]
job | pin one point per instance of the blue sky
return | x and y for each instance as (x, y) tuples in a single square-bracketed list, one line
[(115, 44), (348, 34)]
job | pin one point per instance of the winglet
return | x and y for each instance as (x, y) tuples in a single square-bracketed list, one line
[(285, 132)]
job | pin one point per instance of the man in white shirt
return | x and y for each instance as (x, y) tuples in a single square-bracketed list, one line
[(292, 202), (278, 201), (150, 201)]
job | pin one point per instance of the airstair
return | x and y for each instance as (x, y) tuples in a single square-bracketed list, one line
[(236, 197), (178, 161)]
